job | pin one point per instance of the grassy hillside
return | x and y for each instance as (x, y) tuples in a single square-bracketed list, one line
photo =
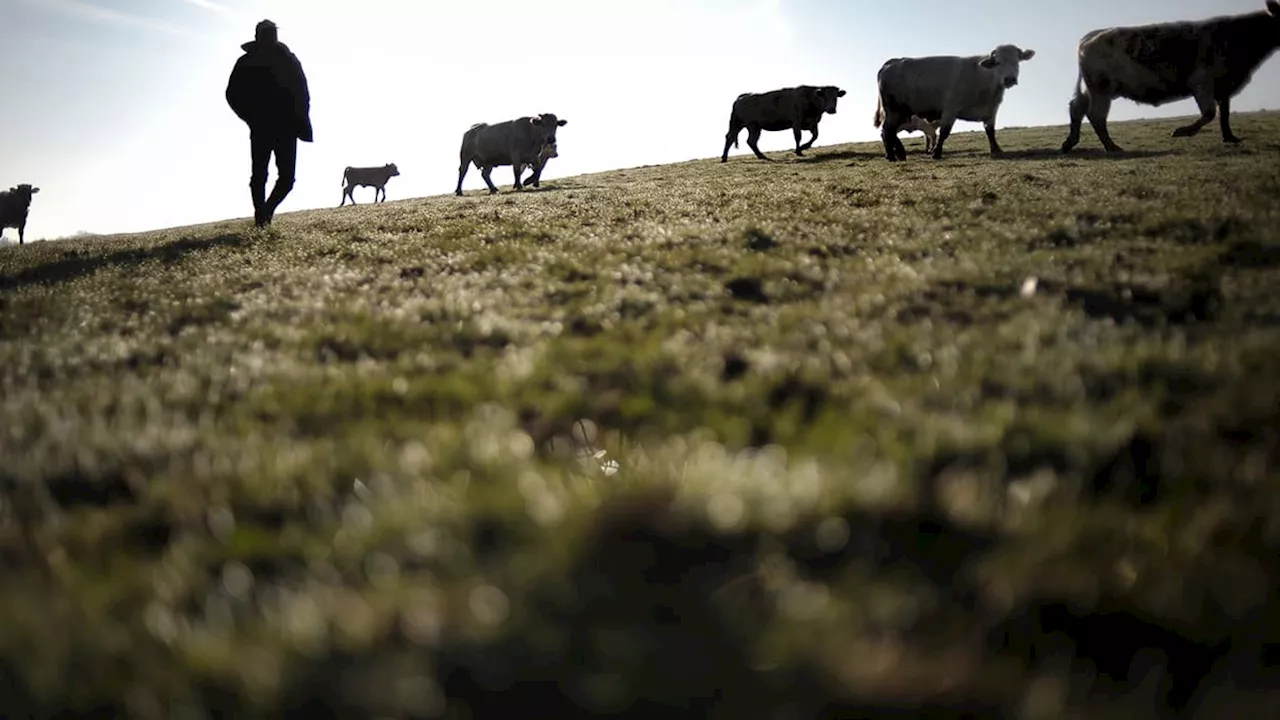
[(883, 429)]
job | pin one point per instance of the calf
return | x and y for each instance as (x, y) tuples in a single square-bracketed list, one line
[(517, 143), (548, 152), (1210, 60), (913, 124), (374, 177), (14, 205), (945, 89), (796, 108)]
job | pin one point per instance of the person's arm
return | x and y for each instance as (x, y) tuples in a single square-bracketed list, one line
[(236, 91), (302, 100)]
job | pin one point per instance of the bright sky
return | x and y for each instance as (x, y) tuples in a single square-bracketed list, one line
[(115, 108)]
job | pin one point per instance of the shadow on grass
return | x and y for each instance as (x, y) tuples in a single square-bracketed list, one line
[(835, 156), (1078, 154), (75, 265)]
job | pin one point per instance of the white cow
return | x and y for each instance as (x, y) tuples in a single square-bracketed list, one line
[(945, 89), (374, 177)]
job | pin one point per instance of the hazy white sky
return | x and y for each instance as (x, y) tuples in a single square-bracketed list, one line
[(115, 108)]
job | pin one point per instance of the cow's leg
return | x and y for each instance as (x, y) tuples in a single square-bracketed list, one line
[(812, 138), (22, 233), (1077, 108), (944, 131), (537, 166), (796, 131), (990, 127), (516, 168), (346, 193), (462, 173), (731, 138), (1099, 108), (753, 137), (484, 175), (1208, 110), (899, 148), (930, 138), (1224, 120), (889, 134)]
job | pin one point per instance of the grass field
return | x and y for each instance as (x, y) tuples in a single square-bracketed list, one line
[(883, 431)]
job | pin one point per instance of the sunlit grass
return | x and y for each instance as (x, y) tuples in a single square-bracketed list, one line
[(866, 418)]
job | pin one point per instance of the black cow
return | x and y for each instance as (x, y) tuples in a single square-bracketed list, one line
[(796, 108), (517, 143)]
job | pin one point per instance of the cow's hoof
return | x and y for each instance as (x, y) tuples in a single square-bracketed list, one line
[(1114, 149), (493, 192), (1184, 132), (1067, 147), (1232, 140), (458, 193)]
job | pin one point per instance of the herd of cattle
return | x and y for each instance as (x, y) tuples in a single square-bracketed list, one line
[(1209, 61)]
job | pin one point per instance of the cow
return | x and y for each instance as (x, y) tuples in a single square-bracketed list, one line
[(1210, 61), (548, 152), (795, 108), (374, 177), (914, 123), (516, 143), (14, 205), (945, 89)]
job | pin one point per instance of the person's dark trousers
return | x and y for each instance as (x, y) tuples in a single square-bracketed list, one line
[(263, 143)]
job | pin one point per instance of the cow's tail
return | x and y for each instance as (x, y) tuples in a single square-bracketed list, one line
[(879, 118), (345, 174)]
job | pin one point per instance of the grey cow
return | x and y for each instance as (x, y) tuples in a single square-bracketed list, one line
[(374, 177), (945, 89), (15, 203), (1210, 60), (517, 143), (795, 108)]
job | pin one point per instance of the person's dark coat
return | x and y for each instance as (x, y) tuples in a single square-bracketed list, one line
[(268, 90)]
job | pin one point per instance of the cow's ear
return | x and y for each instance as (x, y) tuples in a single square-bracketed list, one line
[(988, 62), (840, 93), (1273, 7), (1028, 54), (536, 120), (35, 190), (562, 123)]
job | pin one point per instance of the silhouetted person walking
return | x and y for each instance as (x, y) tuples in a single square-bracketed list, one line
[(268, 90)]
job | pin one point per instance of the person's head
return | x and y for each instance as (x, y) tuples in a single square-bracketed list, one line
[(265, 32)]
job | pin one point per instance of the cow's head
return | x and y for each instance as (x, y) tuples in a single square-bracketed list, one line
[(827, 97), (392, 169), (25, 191), (546, 125), (1004, 61)]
